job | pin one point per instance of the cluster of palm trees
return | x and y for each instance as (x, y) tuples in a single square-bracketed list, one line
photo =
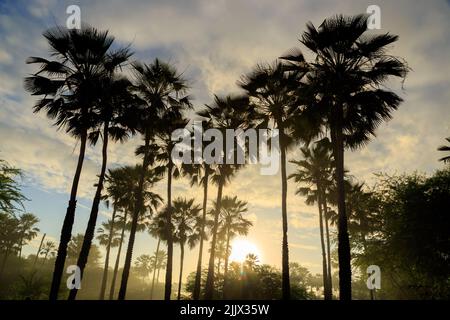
[(339, 94)]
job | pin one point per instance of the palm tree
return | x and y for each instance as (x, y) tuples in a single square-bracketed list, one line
[(446, 149), (232, 223), (27, 229), (187, 228), (270, 89), (49, 247), (39, 249), (114, 109), (143, 265), (344, 88), (314, 171), (10, 194), (226, 112), (124, 225), (157, 229), (109, 238), (9, 237), (123, 184), (160, 86), (172, 120), (199, 174), (117, 192), (67, 85)]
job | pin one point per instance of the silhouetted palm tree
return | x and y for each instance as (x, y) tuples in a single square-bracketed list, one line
[(344, 87), (187, 229), (314, 171), (27, 229), (227, 112), (271, 89), (232, 223), (48, 248), (446, 149), (10, 194), (160, 86), (68, 86), (108, 237), (143, 265), (199, 174)]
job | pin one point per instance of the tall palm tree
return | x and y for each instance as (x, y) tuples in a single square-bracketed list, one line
[(160, 86), (232, 223), (67, 85), (108, 237), (49, 247), (116, 192), (226, 112), (172, 120), (157, 229), (187, 229), (314, 171), (271, 89), (446, 149), (199, 174), (114, 109), (346, 87), (27, 229)]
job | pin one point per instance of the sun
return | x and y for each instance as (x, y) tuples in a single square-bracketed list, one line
[(240, 248)]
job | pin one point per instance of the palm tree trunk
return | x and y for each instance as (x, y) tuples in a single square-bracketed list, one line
[(286, 286), (21, 244), (108, 249), (198, 274), (322, 244), (181, 270), (45, 258), (209, 287), (168, 283), (154, 268), (225, 269), (39, 250), (325, 211), (116, 266), (90, 230), (344, 257), (137, 211), (66, 232)]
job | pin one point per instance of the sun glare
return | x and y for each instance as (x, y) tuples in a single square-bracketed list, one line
[(240, 248)]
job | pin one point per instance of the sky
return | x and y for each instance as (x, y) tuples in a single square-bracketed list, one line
[(213, 43)]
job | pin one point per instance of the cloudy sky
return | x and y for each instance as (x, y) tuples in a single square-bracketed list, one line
[(213, 43)]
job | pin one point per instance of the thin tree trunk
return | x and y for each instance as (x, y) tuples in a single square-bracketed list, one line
[(108, 250), (168, 283), (21, 244), (286, 286), (137, 210), (116, 266), (45, 258), (66, 231), (154, 268), (198, 275), (90, 230), (225, 270), (181, 271), (344, 257), (330, 281), (322, 244), (209, 287), (39, 250)]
